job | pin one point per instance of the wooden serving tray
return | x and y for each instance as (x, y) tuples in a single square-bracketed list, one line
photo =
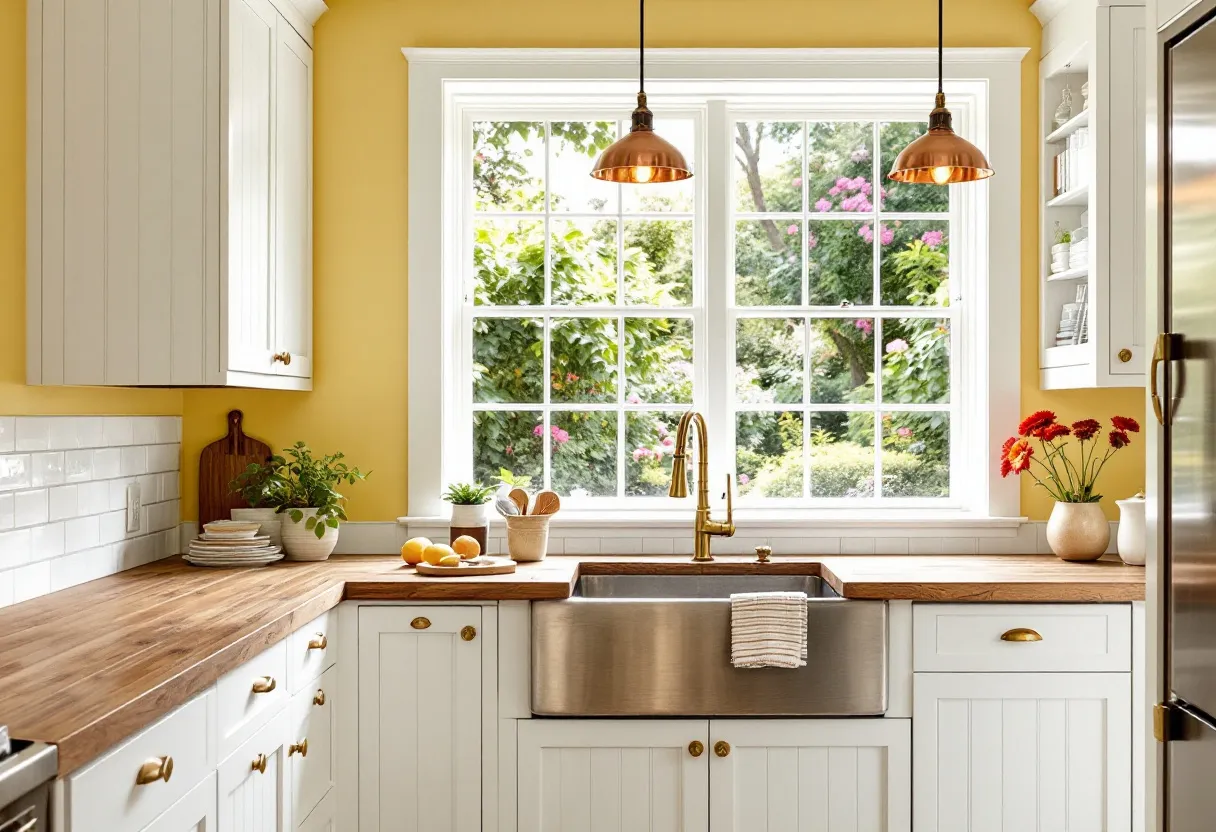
[(483, 566)]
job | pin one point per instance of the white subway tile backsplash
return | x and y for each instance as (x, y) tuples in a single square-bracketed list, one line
[(6, 511), (90, 431), (46, 468), (658, 546), (583, 545), (47, 541), (149, 488), (14, 472), (890, 545), (77, 466), (61, 433), (134, 461), (6, 588), (14, 548), (64, 502), (94, 497), (624, 545), (113, 526), (31, 508), (144, 430), (31, 581), (8, 434), (117, 431), (107, 463), (168, 430), (33, 433), (163, 458), (82, 533), (88, 565), (857, 546), (170, 485)]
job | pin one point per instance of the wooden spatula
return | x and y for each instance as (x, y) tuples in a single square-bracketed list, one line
[(547, 502), (520, 498)]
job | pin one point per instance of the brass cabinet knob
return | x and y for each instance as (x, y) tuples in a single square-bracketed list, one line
[(1021, 634), (318, 643), (285, 357), (157, 768), (319, 699), (420, 623), (696, 748), (1125, 355), (301, 747), (259, 764), (722, 748), (468, 633), (264, 685)]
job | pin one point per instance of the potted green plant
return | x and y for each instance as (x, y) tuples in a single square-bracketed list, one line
[(311, 502), (263, 488), (469, 501)]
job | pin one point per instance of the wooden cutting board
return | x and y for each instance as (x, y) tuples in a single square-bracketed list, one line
[(218, 466), (485, 565)]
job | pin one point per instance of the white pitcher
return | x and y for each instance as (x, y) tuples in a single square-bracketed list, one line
[(1130, 539)]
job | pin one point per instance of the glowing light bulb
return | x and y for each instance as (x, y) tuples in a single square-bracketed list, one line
[(643, 173), (941, 175)]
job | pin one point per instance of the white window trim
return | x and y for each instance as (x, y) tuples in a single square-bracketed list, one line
[(442, 82)]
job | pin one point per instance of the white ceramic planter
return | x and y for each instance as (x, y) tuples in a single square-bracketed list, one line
[(270, 520), (1130, 540), (302, 543), (1078, 531), (528, 536), (470, 516)]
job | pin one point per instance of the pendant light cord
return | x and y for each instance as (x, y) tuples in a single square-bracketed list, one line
[(642, 45), (939, 46)]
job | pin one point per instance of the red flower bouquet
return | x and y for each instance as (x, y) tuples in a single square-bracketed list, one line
[(1068, 481)]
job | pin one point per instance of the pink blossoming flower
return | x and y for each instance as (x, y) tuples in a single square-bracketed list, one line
[(856, 183), (633, 398), (932, 239), (834, 190), (510, 449), (641, 453), (744, 479), (811, 240), (866, 233), (888, 234), (843, 182), (866, 189), (904, 432), (860, 154), (898, 345), (662, 429), (793, 229), (561, 436), (823, 205), (797, 181), (864, 325), (538, 430)]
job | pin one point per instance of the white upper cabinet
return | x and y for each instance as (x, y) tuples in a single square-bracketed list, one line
[(169, 196)]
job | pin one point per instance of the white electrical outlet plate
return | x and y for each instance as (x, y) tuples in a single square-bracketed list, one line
[(134, 507)]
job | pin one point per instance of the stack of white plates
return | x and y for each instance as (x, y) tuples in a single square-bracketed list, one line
[(232, 543)]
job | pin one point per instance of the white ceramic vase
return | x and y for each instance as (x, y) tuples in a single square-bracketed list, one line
[(270, 520), (1130, 540), (1078, 531), (301, 542)]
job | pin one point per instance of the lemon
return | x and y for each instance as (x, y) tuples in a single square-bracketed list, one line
[(412, 551), (436, 552), (450, 560), (467, 547)]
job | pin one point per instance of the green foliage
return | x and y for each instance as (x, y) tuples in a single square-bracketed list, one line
[(505, 477), (311, 482), (468, 494), (262, 485)]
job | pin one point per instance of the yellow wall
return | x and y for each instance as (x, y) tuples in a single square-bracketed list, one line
[(359, 401)]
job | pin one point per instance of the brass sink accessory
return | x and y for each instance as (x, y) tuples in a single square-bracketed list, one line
[(706, 527)]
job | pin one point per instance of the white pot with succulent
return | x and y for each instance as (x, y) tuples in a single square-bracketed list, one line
[(312, 509), (1059, 251)]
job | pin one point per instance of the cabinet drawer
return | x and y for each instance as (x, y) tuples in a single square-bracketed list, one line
[(312, 750), (250, 695), (311, 650), (981, 637), (116, 792)]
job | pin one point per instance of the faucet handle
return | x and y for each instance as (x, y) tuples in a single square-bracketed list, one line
[(730, 510)]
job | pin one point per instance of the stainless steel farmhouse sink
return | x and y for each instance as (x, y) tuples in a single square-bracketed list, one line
[(659, 645)]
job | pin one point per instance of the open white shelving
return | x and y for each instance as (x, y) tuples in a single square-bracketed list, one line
[(1090, 42)]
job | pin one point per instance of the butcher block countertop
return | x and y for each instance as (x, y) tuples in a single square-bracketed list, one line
[(89, 666)]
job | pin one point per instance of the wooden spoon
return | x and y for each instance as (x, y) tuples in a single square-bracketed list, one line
[(547, 502), (520, 498)]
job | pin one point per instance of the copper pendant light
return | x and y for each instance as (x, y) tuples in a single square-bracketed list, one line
[(940, 157), (642, 155)]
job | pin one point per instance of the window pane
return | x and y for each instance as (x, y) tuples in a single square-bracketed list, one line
[(916, 263), (583, 362), (840, 262), (667, 196), (768, 454), (506, 439), (768, 166), (842, 360), (582, 447), (509, 262), (916, 454), (916, 360), (769, 363), (658, 361), (894, 137), (582, 255), (508, 166), (574, 146), (508, 360), (658, 262), (842, 455), (649, 443), (840, 166), (768, 262)]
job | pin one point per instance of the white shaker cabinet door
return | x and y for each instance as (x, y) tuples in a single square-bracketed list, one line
[(293, 204), (1022, 752), (827, 775), (193, 813), (420, 719), (253, 784), (584, 775), (252, 40)]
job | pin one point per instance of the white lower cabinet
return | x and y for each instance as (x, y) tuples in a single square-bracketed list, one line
[(829, 775), (193, 813), (253, 782), (1022, 752), (419, 717), (585, 775), (324, 818), (311, 750)]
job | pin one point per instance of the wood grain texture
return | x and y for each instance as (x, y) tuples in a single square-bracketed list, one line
[(86, 667), (218, 465)]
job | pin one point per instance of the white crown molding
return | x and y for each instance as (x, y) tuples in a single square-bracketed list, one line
[(310, 10), (723, 57), (1046, 10)]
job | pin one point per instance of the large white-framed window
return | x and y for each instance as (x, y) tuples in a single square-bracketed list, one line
[(848, 379)]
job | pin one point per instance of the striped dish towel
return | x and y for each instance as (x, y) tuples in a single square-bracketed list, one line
[(768, 629)]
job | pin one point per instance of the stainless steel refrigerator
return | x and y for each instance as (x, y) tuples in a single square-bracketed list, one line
[(1183, 385)]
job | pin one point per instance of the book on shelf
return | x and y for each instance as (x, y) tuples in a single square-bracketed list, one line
[(1070, 169)]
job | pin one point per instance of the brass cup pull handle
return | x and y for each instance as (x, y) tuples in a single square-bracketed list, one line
[(420, 623), (259, 764), (696, 748), (468, 633), (301, 747), (1021, 634), (157, 768), (285, 357), (318, 643), (319, 699), (722, 748), (264, 685)]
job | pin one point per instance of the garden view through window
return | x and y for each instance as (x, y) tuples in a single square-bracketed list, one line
[(590, 319)]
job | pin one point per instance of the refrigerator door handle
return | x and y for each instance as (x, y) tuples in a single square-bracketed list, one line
[(1168, 348)]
